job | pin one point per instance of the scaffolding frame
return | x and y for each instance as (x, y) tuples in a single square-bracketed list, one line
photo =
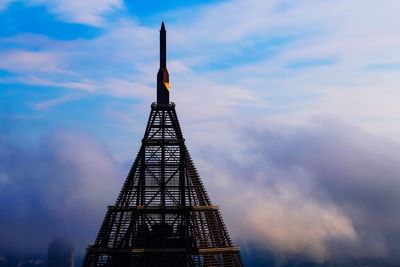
[(163, 215)]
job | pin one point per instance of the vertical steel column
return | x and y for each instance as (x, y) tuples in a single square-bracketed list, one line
[(163, 167)]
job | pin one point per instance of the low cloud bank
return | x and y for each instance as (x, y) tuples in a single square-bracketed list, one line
[(57, 187), (325, 190)]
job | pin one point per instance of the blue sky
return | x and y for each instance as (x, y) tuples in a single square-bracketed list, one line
[(277, 58), (297, 74)]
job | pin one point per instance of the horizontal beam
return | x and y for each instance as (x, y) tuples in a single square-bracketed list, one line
[(158, 106), (211, 250), (158, 142), (165, 208), (218, 250)]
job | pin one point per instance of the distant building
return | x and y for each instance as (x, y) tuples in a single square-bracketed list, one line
[(60, 254)]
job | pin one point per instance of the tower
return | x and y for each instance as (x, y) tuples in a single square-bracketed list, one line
[(163, 215), (60, 254)]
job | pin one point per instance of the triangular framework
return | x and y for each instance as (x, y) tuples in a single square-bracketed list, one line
[(163, 215)]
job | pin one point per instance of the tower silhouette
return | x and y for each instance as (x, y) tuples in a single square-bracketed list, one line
[(163, 215)]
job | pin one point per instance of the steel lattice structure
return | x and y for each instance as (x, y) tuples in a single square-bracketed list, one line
[(163, 215)]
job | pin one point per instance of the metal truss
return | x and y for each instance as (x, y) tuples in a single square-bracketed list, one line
[(163, 215)]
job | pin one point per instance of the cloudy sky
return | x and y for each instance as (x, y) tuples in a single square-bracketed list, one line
[(291, 105)]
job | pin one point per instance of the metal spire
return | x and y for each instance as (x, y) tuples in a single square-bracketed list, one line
[(163, 76), (163, 46)]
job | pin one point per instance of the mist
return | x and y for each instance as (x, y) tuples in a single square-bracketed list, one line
[(324, 189)]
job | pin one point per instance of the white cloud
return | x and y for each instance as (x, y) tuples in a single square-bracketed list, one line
[(24, 61), (90, 12), (46, 104), (87, 12), (70, 173), (350, 36), (4, 4), (226, 62), (178, 67), (323, 189), (285, 218)]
